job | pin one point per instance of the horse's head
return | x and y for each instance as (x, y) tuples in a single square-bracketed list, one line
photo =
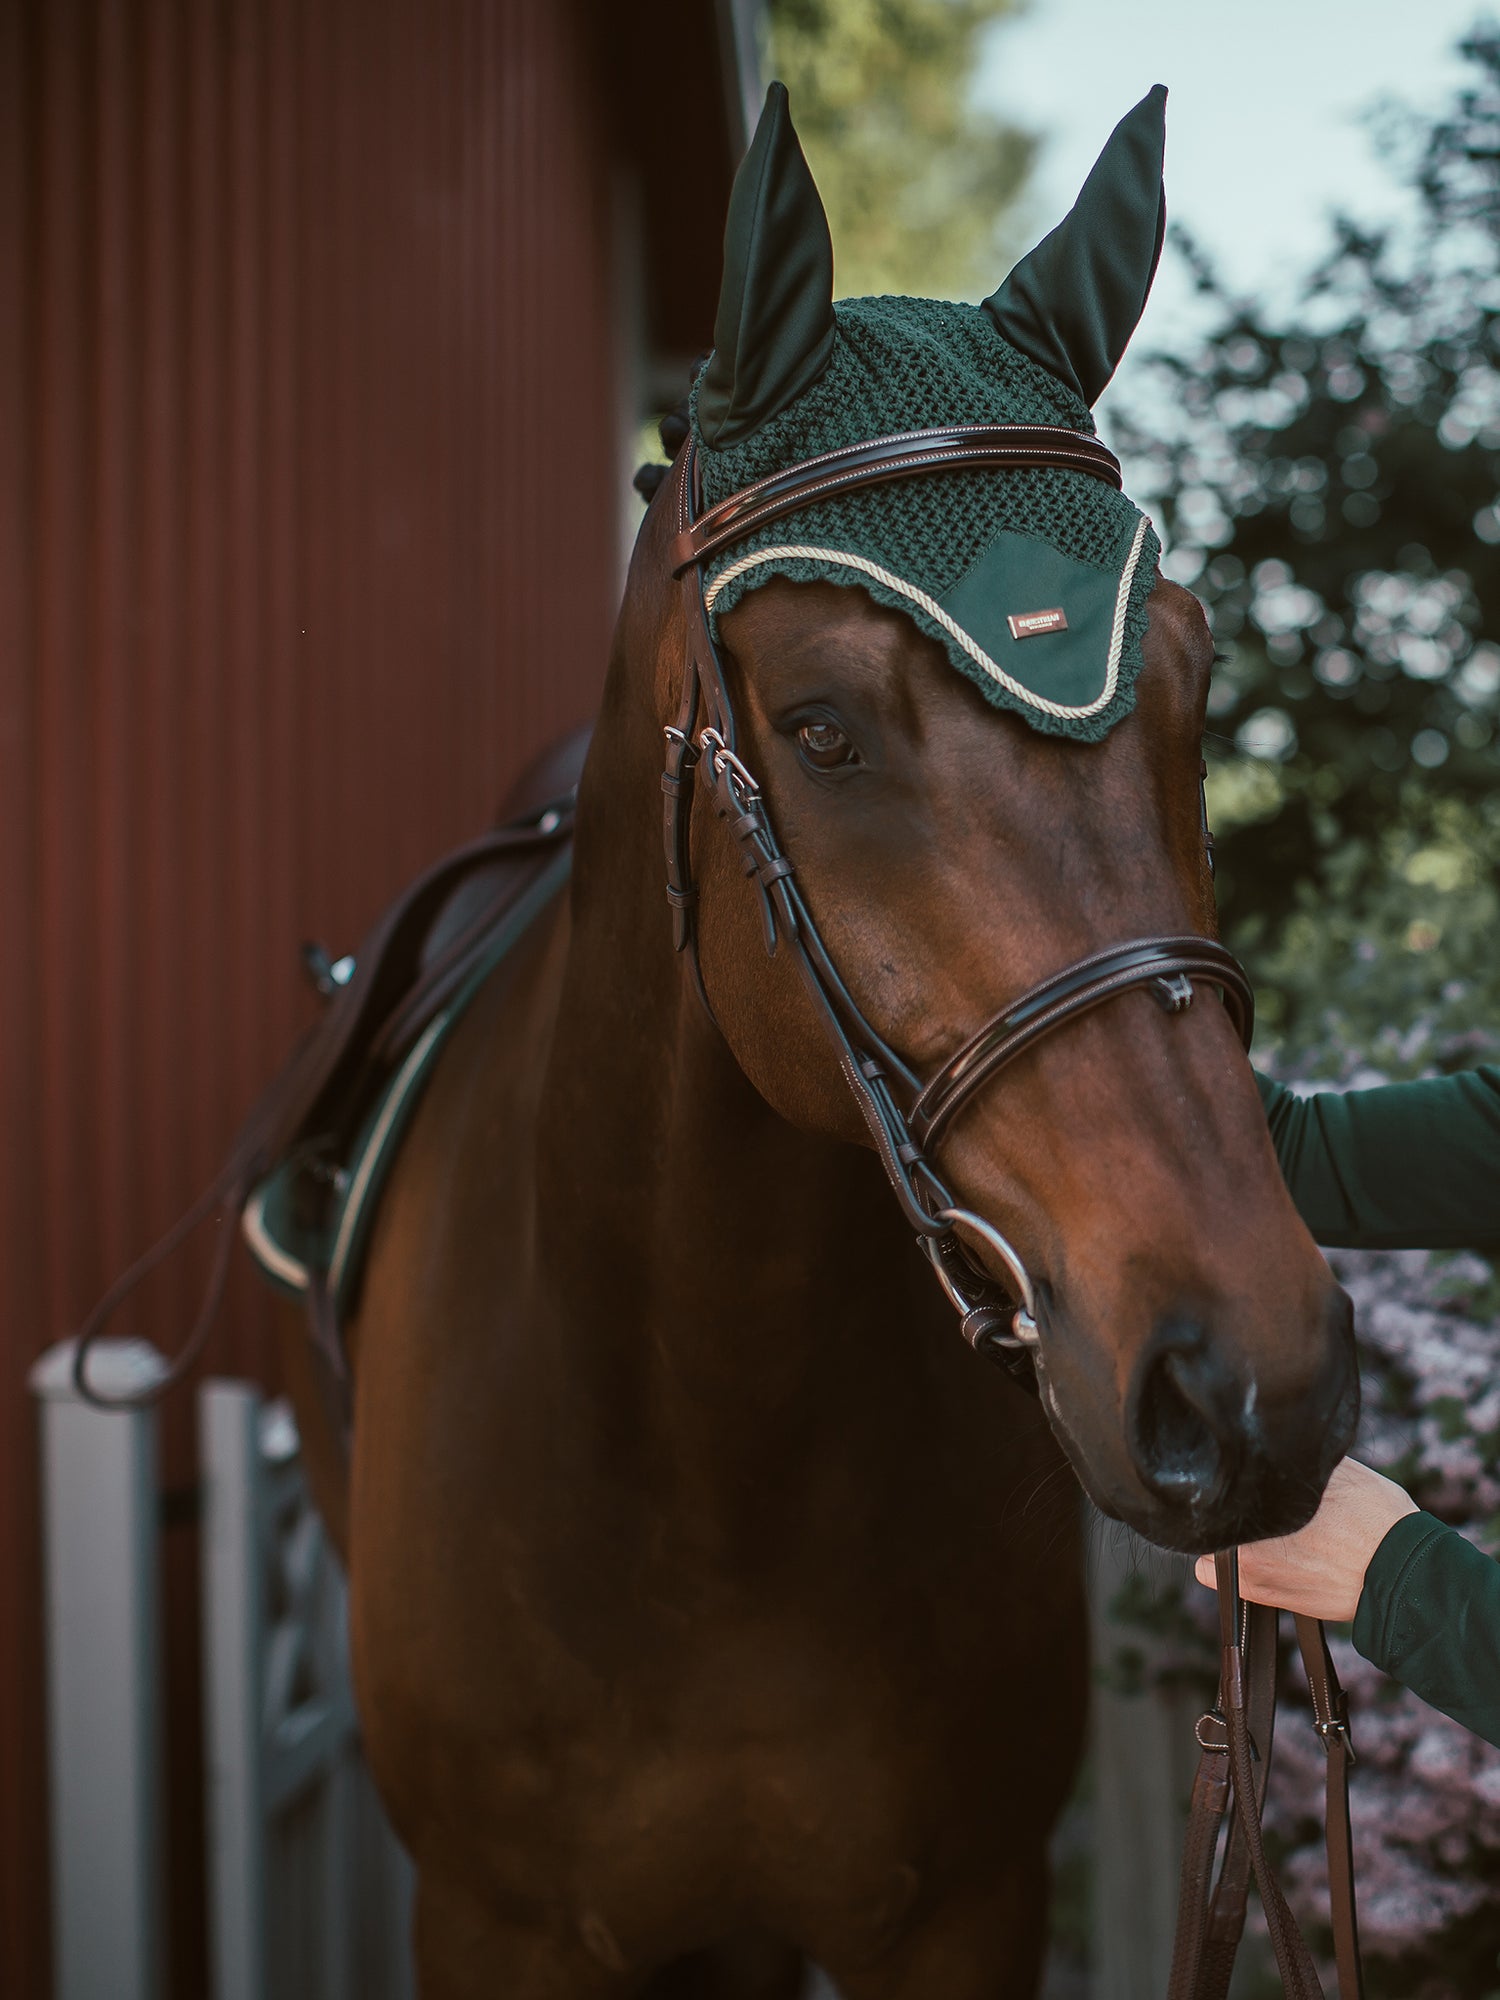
[(958, 837)]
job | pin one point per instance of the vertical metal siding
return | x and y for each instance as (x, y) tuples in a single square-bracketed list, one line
[(307, 543), (22, 1944)]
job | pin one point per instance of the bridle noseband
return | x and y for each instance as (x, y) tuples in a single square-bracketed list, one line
[(905, 1116)]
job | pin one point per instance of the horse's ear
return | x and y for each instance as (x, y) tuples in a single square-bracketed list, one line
[(1074, 301), (774, 331)]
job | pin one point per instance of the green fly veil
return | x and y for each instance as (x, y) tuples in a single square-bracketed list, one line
[(1034, 582)]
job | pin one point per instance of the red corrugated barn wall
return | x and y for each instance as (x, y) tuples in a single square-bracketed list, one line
[(309, 470)]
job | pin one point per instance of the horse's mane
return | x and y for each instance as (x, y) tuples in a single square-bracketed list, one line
[(673, 431)]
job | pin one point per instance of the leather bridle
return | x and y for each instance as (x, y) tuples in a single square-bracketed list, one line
[(905, 1114)]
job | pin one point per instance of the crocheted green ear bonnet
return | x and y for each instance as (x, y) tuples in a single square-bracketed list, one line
[(1034, 582)]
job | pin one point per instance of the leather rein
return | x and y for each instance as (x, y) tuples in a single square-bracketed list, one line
[(906, 1116)]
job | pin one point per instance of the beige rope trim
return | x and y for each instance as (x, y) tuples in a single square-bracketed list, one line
[(1064, 711)]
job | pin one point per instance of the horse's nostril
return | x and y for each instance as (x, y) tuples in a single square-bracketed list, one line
[(1187, 1423)]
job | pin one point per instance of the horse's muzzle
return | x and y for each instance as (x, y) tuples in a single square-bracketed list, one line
[(1219, 1450)]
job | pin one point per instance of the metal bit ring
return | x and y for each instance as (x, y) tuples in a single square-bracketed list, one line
[(1024, 1326)]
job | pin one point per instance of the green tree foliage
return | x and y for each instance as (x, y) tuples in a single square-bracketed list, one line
[(1330, 482), (916, 180)]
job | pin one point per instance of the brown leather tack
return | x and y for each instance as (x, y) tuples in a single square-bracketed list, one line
[(905, 455), (1234, 1771)]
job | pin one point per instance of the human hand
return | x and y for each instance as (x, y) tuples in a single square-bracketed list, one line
[(1320, 1571)]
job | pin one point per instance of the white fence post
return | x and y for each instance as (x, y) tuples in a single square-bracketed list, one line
[(100, 1530), (305, 1879), (233, 1699)]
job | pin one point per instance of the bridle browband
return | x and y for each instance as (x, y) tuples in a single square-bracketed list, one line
[(951, 448), (905, 1116)]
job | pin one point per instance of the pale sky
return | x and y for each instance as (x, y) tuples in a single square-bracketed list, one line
[(1264, 132)]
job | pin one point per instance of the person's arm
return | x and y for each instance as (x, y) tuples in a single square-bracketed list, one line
[(1406, 1166), (1425, 1603), (1429, 1616)]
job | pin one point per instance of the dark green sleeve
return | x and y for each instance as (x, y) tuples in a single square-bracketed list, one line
[(1429, 1616), (1410, 1166)]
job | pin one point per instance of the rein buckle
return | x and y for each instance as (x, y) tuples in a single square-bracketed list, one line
[(1336, 1730)]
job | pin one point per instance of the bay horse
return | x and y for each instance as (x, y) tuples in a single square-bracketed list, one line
[(710, 1601), (713, 1608)]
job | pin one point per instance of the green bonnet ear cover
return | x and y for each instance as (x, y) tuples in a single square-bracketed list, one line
[(774, 331), (1074, 301)]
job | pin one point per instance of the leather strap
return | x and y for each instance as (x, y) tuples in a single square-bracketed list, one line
[(1331, 1719), (1226, 1913), (1299, 1977), (948, 448), (872, 1071), (1236, 1736), (1210, 1913), (1154, 962), (1206, 1809)]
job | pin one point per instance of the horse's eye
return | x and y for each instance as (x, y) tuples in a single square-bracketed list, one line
[(825, 746)]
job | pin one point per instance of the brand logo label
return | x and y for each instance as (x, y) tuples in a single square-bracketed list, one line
[(1026, 624)]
